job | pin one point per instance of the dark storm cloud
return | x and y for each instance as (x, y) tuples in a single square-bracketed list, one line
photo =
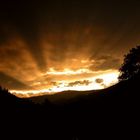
[(21, 17), (99, 80), (105, 62), (71, 29), (75, 83), (16, 61), (10, 82)]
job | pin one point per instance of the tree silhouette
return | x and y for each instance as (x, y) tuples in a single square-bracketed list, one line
[(131, 66)]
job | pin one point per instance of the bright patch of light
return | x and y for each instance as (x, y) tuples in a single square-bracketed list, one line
[(108, 77), (67, 71)]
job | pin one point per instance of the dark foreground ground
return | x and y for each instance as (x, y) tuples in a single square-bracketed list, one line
[(112, 113)]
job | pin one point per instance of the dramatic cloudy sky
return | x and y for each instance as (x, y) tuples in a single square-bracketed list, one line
[(37, 37)]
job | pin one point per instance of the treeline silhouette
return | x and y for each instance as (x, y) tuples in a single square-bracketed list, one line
[(111, 113), (131, 65)]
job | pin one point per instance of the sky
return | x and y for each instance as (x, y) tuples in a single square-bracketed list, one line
[(43, 44)]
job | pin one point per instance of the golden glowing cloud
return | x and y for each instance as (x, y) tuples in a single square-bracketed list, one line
[(51, 47), (86, 80), (57, 62)]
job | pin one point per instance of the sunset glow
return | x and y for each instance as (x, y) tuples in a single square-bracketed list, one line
[(49, 47), (85, 80)]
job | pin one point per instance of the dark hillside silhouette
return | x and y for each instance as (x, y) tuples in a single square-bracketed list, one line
[(113, 112)]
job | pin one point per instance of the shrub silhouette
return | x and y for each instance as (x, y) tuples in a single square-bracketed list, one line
[(131, 66)]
